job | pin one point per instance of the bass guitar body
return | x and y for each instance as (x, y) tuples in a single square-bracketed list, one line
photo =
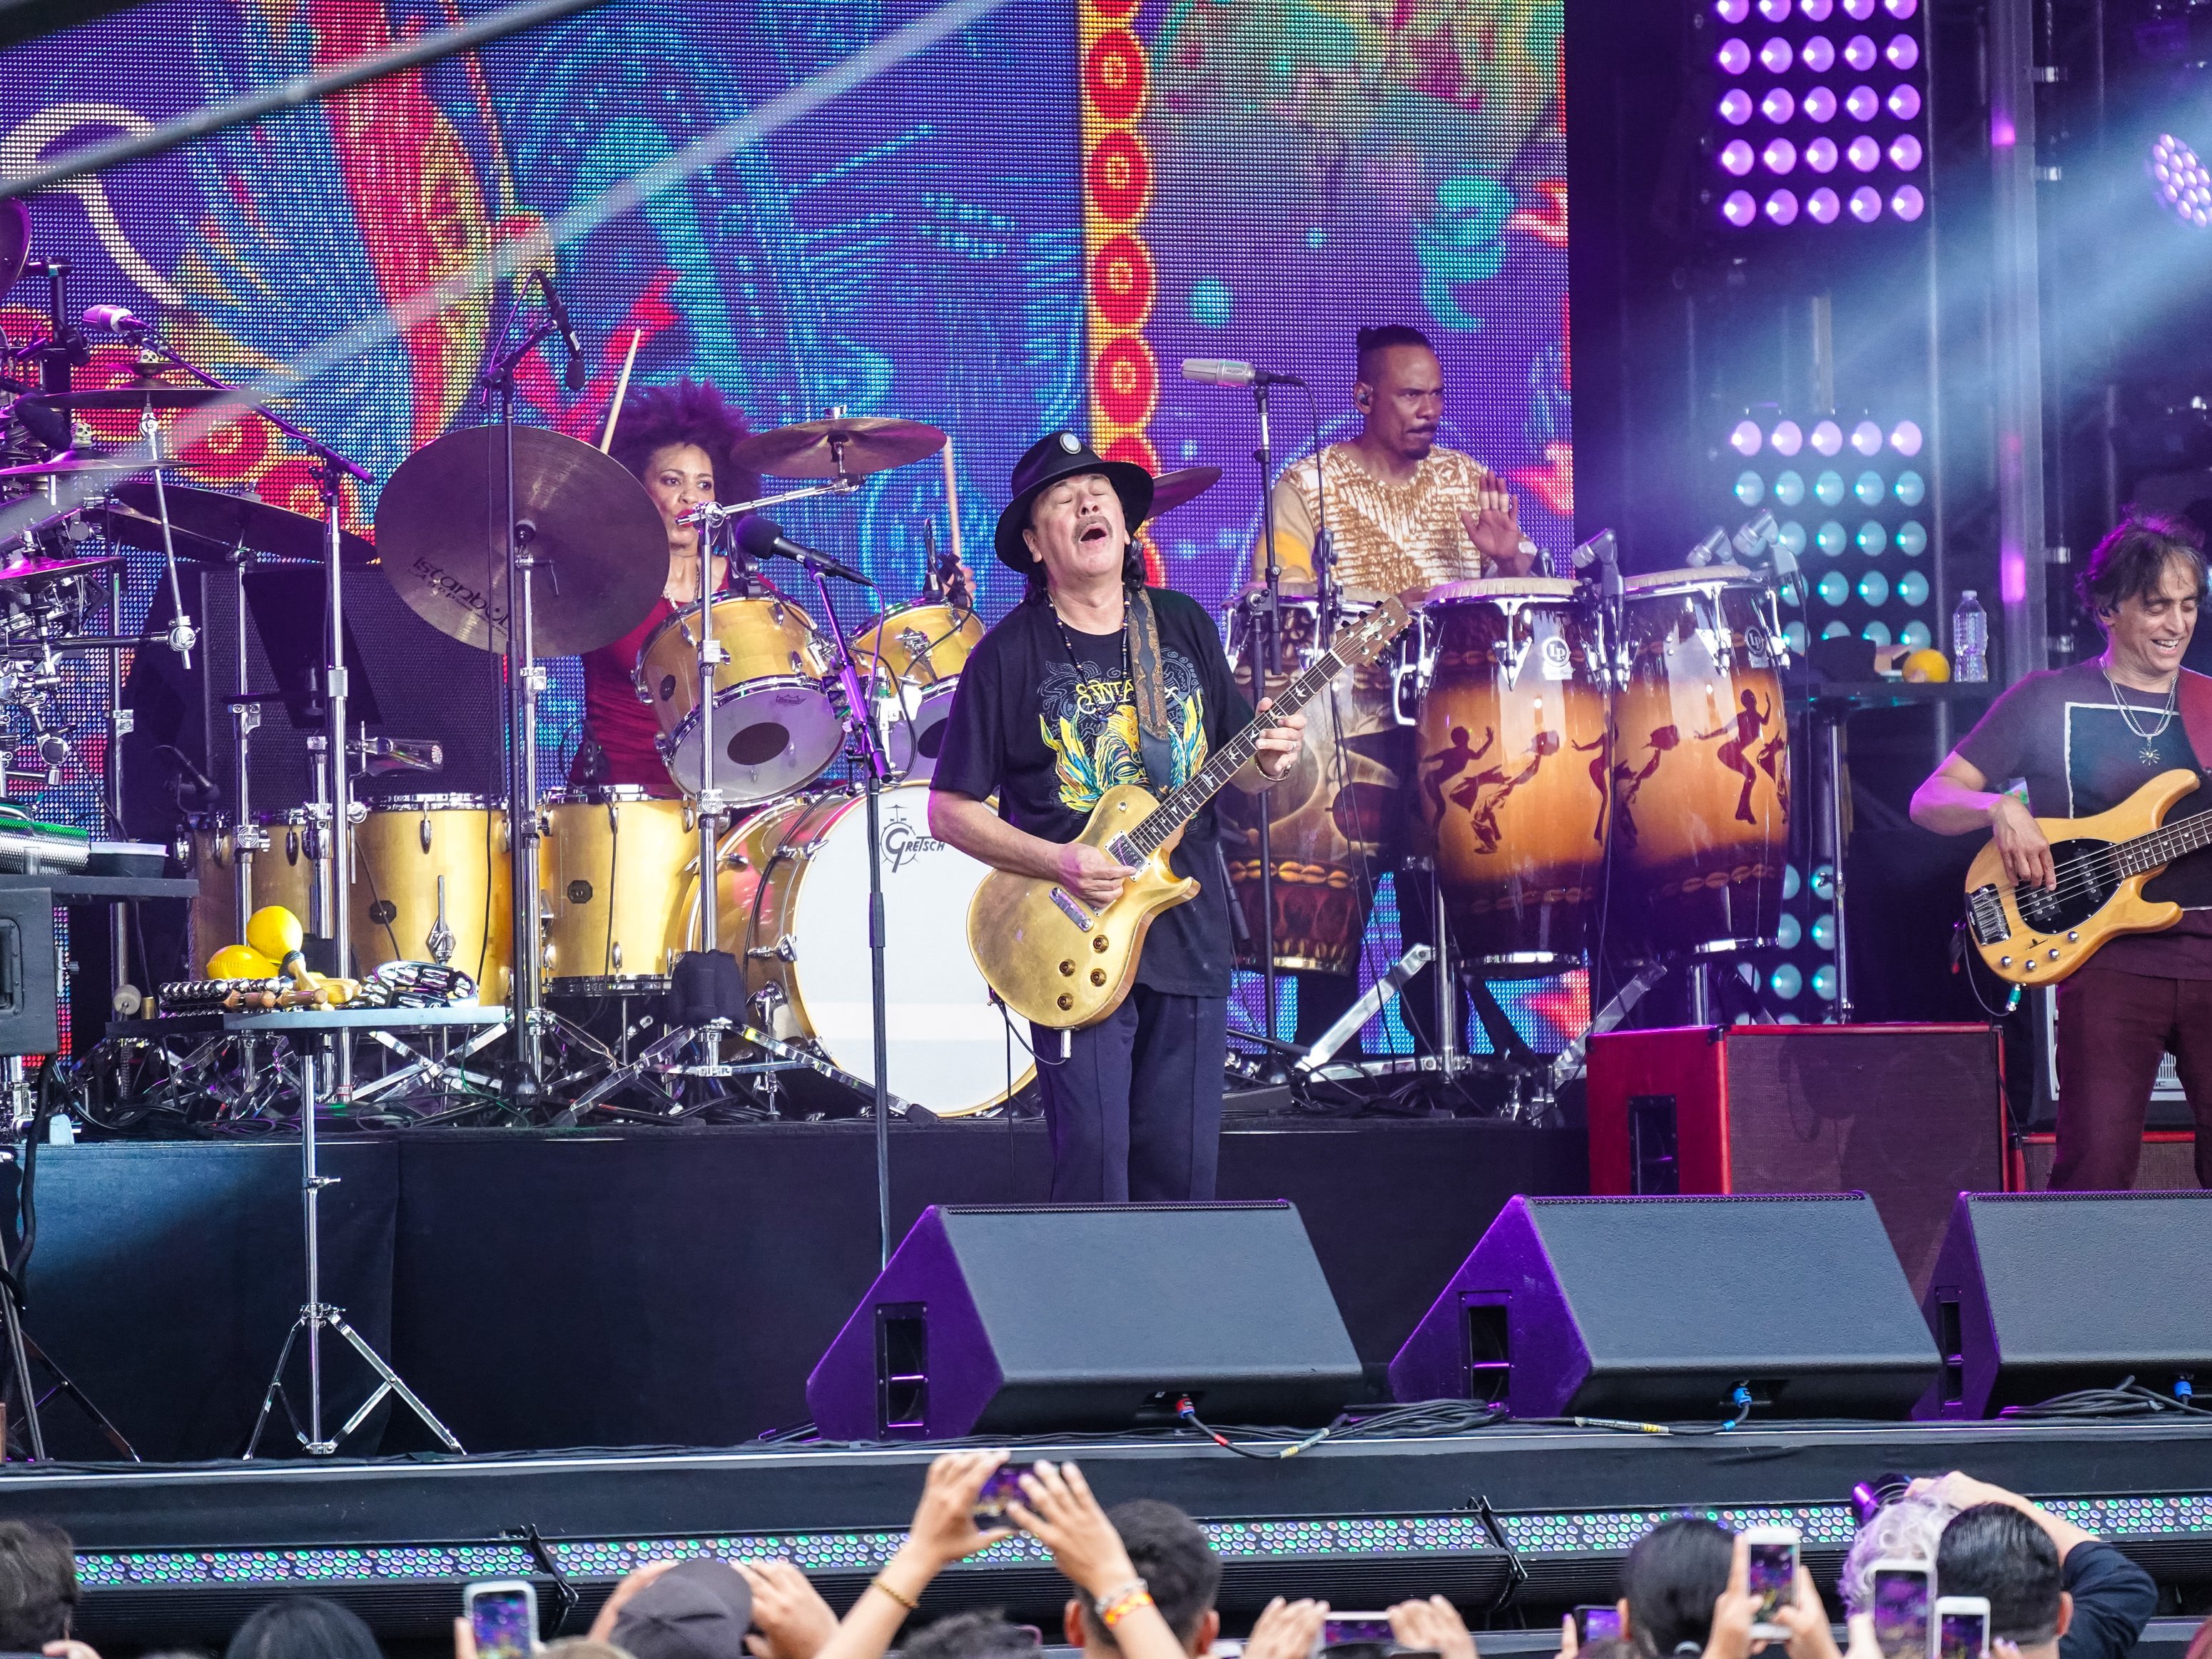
[(1052, 955), (2038, 936)]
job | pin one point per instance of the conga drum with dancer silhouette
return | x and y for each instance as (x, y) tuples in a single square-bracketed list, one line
[(1511, 766), (1334, 825), (1700, 764)]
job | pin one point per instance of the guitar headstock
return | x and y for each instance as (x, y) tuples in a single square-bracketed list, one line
[(1361, 643)]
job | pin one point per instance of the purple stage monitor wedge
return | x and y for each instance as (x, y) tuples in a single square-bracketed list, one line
[(1031, 1319)]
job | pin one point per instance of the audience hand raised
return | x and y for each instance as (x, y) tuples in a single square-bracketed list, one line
[(603, 1622), (790, 1618), (1057, 1509), (1435, 1627), (1286, 1630)]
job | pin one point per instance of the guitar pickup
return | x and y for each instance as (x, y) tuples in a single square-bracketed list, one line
[(1985, 916), (1068, 908)]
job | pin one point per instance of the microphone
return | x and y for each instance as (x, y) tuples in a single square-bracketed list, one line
[(763, 538), (1757, 533), (573, 379), (1600, 549), (1226, 371), (1714, 546), (116, 320)]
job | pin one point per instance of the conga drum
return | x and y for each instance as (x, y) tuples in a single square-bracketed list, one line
[(1329, 821), (1509, 780), (1701, 762)]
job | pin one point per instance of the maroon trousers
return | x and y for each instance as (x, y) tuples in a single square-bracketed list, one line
[(2113, 1027)]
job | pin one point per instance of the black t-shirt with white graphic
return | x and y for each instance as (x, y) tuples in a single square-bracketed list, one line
[(1043, 718), (2061, 732)]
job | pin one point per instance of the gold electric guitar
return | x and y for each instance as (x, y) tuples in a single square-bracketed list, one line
[(1054, 957), (2038, 935)]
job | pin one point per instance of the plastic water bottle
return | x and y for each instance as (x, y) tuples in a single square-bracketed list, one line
[(1970, 640)]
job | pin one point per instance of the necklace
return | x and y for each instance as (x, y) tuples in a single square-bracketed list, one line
[(1067, 644), (2148, 753)]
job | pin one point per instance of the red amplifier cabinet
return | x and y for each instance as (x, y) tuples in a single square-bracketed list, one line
[(1912, 1115), (2169, 1162)]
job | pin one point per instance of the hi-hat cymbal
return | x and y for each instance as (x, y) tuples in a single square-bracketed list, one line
[(136, 397), (70, 461), (1182, 487), (600, 547), (216, 519), (837, 446)]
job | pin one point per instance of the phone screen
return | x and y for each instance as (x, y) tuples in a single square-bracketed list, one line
[(1900, 1613), (1356, 1627), (1597, 1624), (1772, 1578), (501, 1622), (1004, 1487), (1964, 1636)]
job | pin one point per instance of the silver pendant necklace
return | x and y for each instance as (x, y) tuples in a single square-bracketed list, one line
[(2148, 753)]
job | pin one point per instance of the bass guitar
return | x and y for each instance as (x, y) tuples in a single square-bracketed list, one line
[(1054, 957), (2038, 935)]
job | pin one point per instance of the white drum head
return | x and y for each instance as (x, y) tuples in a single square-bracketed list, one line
[(948, 1043), (772, 736)]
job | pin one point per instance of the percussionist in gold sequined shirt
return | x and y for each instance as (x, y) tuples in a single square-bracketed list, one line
[(1403, 514)]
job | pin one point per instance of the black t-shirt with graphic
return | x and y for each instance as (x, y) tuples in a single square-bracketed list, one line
[(1043, 718), (2061, 732)]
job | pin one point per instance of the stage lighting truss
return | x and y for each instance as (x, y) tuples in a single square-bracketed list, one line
[(1821, 116), (2180, 181)]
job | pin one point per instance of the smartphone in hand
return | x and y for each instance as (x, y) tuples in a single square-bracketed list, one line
[(1772, 1578), (1904, 1604), (1962, 1627), (1597, 1622), (504, 1616)]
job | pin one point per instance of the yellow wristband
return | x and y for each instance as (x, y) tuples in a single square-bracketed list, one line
[(1123, 1608), (904, 1601)]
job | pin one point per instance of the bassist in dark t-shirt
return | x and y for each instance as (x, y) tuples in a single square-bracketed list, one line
[(2084, 740)]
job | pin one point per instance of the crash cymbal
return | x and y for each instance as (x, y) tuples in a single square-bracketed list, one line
[(215, 518), (121, 523), (837, 446), (70, 461), (136, 397), (588, 521), (1182, 487)]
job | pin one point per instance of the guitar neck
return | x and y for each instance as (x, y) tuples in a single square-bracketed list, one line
[(1180, 805), (2163, 845)]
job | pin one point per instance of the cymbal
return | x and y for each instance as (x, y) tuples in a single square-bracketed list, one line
[(1182, 487), (136, 397), (70, 461), (813, 449), (216, 519), (14, 241), (121, 523), (589, 521)]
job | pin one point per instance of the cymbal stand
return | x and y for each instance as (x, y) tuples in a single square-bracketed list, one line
[(1264, 634)]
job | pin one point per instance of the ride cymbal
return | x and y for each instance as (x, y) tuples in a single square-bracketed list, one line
[(837, 446), (215, 519), (600, 547), (1182, 487)]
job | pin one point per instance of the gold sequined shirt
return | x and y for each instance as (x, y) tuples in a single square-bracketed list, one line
[(1389, 536)]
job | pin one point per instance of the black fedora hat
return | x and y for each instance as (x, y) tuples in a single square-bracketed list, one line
[(1044, 464)]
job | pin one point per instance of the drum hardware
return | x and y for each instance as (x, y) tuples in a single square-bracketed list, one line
[(1377, 996)]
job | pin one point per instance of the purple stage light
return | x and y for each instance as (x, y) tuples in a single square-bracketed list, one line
[(1736, 107), (1782, 207), (1824, 205), (1737, 156), (1907, 203), (1732, 11), (1816, 11), (1905, 152), (1866, 438), (1862, 9), (1787, 438), (1819, 105), (1738, 209), (1780, 156), (1775, 57), (1778, 106), (1903, 51), (1820, 154), (1866, 205), (2180, 180), (1859, 53), (1818, 54), (1904, 438), (1900, 9), (1828, 438), (1747, 437), (1904, 102), (1861, 104), (1734, 57), (1774, 11), (1863, 154)]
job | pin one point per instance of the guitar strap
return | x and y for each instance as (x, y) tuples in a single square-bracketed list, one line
[(1148, 690), (2194, 702)]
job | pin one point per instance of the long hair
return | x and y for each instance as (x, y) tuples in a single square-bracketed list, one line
[(687, 412)]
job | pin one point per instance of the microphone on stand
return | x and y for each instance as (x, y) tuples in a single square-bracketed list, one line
[(116, 320), (761, 538), (575, 377), (1714, 546), (1227, 370)]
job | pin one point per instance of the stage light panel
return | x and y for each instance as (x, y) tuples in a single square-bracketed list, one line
[(1792, 883), (1905, 153), (1824, 982), (1782, 207), (1859, 53), (1829, 488), (1739, 209), (1746, 438), (1750, 489), (1824, 881), (1732, 11), (1774, 11), (1785, 980), (1819, 105), (1734, 57), (1875, 633), (2180, 180), (1778, 106), (1780, 156), (1824, 930), (1736, 107), (1863, 154), (1788, 931), (1737, 157), (1866, 438), (1907, 203), (1902, 52), (1870, 489), (1900, 9), (1905, 439), (1776, 55), (1915, 634), (1904, 102), (1816, 11), (1833, 587), (1824, 205), (1786, 438), (1872, 539), (1791, 536), (1913, 539), (1818, 54), (1795, 633), (1821, 155), (1874, 588), (1837, 630), (1831, 538), (1859, 10), (1866, 205), (1910, 488), (1789, 490)]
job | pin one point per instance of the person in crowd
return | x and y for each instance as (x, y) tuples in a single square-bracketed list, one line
[(788, 1617), (697, 1609), (1906, 1528), (302, 1627), (38, 1585), (1169, 1553), (2096, 1601), (985, 1634)]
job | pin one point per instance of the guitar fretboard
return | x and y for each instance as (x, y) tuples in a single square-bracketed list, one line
[(2161, 846)]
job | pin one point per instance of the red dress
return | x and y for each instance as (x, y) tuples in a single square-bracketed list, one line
[(621, 726)]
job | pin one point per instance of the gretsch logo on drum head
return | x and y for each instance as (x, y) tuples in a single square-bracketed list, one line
[(1558, 661), (902, 845)]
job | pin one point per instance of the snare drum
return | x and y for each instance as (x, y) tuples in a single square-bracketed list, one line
[(612, 865), (802, 901), (776, 726), (1509, 767), (1334, 823), (911, 659), (283, 874), (1701, 763), (430, 883)]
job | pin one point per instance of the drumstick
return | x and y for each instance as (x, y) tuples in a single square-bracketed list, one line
[(621, 389), (952, 493)]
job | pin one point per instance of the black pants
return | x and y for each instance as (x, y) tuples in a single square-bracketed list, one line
[(1136, 1109)]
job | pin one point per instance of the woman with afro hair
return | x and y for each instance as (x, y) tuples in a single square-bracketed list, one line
[(677, 439)]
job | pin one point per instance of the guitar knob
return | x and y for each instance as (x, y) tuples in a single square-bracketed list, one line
[(1097, 976), (1067, 968), (1066, 1001), (1099, 944)]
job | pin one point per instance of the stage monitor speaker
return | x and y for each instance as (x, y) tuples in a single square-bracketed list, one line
[(1912, 1115), (1028, 1319), (1660, 1307), (2032, 1296)]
